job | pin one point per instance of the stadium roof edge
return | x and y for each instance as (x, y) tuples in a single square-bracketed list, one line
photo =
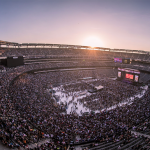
[(6, 43)]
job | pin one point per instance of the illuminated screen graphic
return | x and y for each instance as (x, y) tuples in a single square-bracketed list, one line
[(129, 76), (118, 60), (119, 74), (136, 78), (125, 61)]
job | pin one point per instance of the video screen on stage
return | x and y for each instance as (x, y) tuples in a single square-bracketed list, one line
[(119, 74), (136, 79), (129, 76)]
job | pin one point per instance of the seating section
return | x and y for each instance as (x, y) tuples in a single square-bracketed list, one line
[(134, 144)]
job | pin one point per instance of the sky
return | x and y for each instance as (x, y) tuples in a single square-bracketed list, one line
[(121, 24)]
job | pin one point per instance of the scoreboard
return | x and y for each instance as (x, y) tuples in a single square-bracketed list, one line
[(128, 74), (118, 60), (122, 60)]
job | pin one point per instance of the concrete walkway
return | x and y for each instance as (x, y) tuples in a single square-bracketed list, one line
[(141, 134), (3, 147), (39, 143)]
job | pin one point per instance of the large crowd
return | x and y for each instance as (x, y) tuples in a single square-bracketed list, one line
[(112, 93), (68, 52), (53, 52), (36, 115), (29, 114)]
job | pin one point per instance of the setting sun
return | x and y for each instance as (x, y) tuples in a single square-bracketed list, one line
[(93, 42)]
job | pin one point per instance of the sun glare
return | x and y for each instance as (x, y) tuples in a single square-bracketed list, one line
[(93, 42)]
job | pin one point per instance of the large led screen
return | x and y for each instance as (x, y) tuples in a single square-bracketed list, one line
[(129, 76), (136, 79), (118, 60), (119, 74)]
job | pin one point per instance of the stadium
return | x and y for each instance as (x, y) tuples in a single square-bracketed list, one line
[(59, 96)]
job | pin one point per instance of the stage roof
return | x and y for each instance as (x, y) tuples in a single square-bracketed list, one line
[(100, 87)]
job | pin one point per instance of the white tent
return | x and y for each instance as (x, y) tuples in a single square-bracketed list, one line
[(100, 87)]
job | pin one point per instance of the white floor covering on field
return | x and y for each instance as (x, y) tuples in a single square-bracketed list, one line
[(73, 104)]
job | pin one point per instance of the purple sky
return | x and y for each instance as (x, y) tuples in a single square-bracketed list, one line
[(123, 24)]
